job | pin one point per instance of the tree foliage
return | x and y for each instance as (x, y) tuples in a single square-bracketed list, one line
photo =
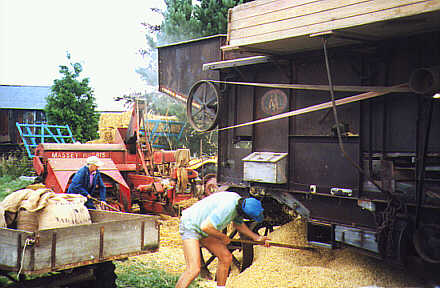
[(185, 20), (72, 103)]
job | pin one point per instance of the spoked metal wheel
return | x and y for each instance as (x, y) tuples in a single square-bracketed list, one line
[(427, 242), (203, 105), (242, 254)]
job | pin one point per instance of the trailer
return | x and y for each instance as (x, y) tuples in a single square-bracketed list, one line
[(82, 254), (330, 110)]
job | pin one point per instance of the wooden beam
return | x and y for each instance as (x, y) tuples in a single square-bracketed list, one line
[(341, 88), (236, 62), (278, 26), (343, 101)]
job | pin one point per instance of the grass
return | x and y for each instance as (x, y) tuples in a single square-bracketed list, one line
[(136, 274), (8, 185), (12, 166), (15, 164)]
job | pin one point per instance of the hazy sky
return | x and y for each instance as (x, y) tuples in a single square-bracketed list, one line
[(104, 36)]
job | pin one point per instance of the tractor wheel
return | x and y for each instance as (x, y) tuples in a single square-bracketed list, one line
[(103, 274)]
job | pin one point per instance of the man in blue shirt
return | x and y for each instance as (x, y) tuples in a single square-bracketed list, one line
[(88, 180), (202, 223)]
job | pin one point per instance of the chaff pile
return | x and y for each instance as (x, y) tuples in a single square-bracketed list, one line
[(281, 267), (287, 268)]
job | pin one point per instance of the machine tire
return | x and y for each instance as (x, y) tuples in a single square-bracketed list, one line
[(105, 275), (426, 242)]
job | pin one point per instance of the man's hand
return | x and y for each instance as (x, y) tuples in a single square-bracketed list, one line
[(226, 240), (265, 239), (243, 228)]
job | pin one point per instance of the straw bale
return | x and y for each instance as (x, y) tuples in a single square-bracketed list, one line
[(186, 203), (109, 122), (107, 134)]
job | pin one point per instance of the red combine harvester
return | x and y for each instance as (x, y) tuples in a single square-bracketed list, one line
[(132, 172)]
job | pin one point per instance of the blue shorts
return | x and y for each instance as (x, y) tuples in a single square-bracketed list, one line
[(186, 233)]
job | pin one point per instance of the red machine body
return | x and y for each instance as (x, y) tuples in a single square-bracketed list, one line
[(132, 172)]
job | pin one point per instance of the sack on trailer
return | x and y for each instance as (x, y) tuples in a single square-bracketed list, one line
[(64, 210)]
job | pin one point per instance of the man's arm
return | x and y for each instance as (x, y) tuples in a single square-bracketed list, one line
[(244, 229), (209, 229), (77, 185), (102, 191)]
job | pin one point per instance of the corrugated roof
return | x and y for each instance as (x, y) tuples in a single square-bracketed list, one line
[(23, 97)]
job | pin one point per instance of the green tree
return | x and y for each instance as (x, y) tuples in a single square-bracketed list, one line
[(72, 103), (213, 15), (185, 20), (179, 22)]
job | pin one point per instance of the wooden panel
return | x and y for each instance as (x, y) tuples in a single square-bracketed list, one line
[(116, 234), (104, 216), (285, 10), (4, 122), (9, 247), (73, 244), (286, 20)]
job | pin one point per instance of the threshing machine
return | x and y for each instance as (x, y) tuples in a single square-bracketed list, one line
[(132, 172), (331, 113)]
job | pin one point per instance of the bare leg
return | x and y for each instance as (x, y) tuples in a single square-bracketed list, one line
[(219, 249), (191, 250)]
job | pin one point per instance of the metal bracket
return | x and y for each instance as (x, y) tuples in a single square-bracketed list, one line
[(291, 202)]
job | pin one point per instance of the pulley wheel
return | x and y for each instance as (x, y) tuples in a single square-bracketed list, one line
[(203, 105), (427, 243)]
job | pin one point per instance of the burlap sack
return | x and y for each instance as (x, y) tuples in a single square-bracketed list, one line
[(13, 201), (2, 217), (27, 221), (64, 210)]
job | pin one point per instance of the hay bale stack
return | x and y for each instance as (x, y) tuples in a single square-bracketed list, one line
[(282, 267), (109, 122)]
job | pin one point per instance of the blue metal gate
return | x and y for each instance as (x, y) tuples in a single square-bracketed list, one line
[(34, 134)]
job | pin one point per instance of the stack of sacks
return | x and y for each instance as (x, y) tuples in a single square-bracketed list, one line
[(33, 210), (2, 217)]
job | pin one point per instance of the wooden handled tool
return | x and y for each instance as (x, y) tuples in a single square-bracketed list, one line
[(276, 244), (105, 204)]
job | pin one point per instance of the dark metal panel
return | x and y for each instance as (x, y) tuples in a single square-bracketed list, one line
[(271, 136), (313, 72), (244, 108), (340, 212), (395, 130), (180, 66), (235, 144), (319, 161)]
